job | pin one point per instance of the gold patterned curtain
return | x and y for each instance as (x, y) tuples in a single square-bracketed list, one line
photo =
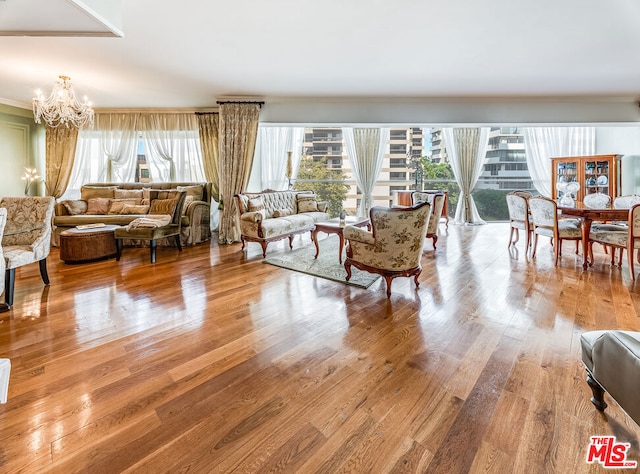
[(238, 133), (60, 153), (208, 126)]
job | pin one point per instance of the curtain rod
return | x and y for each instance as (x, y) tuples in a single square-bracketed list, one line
[(207, 113), (220, 102)]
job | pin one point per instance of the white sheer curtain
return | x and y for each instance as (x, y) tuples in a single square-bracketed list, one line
[(119, 143), (105, 154), (172, 146), (366, 148), (467, 148), (543, 143), (270, 160), (87, 165)]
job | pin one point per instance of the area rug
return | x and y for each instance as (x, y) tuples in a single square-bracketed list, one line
[(325, 266)]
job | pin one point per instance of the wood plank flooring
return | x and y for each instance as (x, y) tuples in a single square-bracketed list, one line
[(211, 361)]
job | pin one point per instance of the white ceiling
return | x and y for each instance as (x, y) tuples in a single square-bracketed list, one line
[(188, 54)]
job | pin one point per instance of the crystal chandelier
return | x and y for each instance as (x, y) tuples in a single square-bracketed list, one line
[(62, 107)]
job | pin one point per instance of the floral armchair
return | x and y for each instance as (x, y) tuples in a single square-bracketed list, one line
[(394, 246), (437, 203), (3, 221), (27, 237)]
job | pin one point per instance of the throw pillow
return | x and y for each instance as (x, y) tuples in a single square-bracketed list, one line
[(163, 206), (195, 191), (307, 202), (282, 212), (308, 205), (88, 192), (75, 207), (128, 194), (116, 205), (256, 204), (134, 209), (98, 206)]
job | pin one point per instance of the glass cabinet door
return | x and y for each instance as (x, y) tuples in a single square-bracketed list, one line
[(596, 176), (566, 172)]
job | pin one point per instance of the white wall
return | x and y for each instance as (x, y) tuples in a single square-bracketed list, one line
[(623, 141)]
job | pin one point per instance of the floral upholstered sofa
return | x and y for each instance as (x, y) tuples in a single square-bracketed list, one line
[(274, 215), (120, 203)]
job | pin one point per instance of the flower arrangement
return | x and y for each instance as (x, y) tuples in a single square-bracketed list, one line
[(30, 176)]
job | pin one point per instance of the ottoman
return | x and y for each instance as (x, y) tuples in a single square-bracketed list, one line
[(86, 245)]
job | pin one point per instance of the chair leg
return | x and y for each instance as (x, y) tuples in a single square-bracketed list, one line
[(178, 243), (43, 271), (558, 251), (347, 267), (435, 240), (9, 285), (119, 249), (511, 241), (389, 280), (152, 250), (598, 393), (535, 245)]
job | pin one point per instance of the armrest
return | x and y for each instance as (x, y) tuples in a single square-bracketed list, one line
[(323, 206), (254, 216), (359, 235), (60, 209), (193, 205)]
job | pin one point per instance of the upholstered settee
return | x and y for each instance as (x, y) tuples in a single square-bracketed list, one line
[(120, 203), (274, 215)]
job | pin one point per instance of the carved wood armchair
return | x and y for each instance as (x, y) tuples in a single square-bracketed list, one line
[(27, 236), (393, 248)]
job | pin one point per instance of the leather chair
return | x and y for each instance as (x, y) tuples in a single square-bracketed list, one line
[(437, 203), (154, 233), (27, 237), (612, 361), (393, 248)]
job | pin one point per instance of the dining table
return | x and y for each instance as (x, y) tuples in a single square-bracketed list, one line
[(587, 215)]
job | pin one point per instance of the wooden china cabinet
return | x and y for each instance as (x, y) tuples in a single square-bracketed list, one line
[(595, 174)]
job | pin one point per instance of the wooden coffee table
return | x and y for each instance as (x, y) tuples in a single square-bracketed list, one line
[(86, 245), (333, 226)]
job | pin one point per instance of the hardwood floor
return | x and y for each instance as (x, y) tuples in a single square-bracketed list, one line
[(211, 361)]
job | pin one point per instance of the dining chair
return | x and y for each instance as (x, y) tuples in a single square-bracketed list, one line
[(545, 222), (27, 236), (621, 202), (597, 200), (628, 239), (519, 217)]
